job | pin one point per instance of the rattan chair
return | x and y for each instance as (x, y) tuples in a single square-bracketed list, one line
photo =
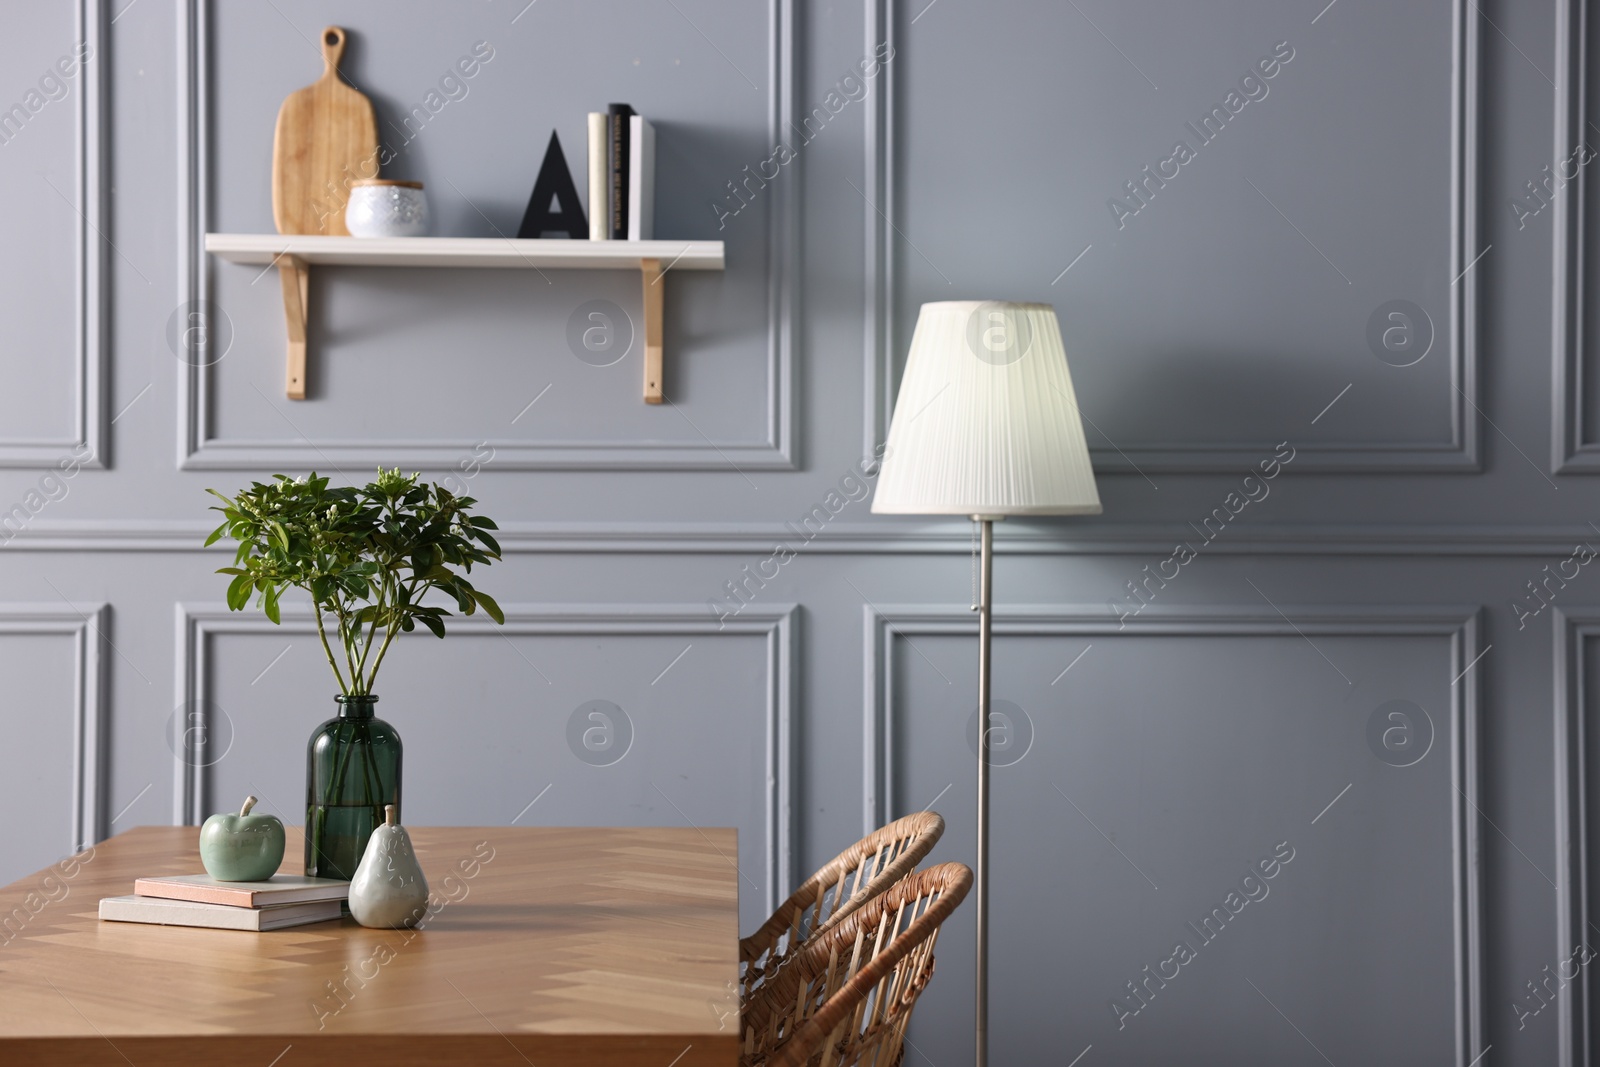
[(846, 997), (852, 878)]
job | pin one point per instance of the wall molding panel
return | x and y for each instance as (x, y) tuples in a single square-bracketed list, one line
[(1573, 629), (1461, 625), (1570, 452), (778, 623), (88, 432), (198, 450), (1460, 453), (1080, 539), (85, 625), (878, 180)]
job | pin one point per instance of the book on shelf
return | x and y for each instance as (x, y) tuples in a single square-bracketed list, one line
[(279, 889), (162, 911), (641, 179), (599, 170), (619, 129), (622, 175)]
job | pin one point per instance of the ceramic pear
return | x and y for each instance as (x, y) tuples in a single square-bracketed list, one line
[(389, 891), (242, 847)]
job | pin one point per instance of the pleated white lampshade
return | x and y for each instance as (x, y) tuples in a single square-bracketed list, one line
[(986, 422)]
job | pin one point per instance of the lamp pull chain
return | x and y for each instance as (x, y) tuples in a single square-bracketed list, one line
[(974, 600)]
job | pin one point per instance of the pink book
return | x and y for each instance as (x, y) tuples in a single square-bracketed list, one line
[(279, 889)]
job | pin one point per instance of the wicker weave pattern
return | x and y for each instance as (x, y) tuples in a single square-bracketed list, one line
[(852, 878), (846, 997)]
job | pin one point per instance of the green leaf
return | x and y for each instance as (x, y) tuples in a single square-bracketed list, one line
[(489, 606), (270, 604), (368, 555)]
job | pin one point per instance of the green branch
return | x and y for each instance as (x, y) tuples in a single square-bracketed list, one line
[(401, 539), (323, 635)]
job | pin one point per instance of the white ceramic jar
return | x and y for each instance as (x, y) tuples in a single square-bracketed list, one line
[(383, 207)]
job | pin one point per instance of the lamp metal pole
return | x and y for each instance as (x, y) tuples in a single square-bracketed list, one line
[(985, 633)]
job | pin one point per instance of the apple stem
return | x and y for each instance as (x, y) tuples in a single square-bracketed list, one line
[(391, 817), (249, 802)]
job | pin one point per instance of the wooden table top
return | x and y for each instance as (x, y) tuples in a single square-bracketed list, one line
[(546, 946)]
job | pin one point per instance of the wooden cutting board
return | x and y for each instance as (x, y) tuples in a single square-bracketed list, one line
[(327, 137)]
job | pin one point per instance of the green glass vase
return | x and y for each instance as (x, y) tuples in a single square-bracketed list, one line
[(352, 770)]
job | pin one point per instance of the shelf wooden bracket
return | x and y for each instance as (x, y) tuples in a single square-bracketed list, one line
[(295, 276), (295, 254), (650, 270)]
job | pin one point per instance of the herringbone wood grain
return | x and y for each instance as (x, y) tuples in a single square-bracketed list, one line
[(603, 946)]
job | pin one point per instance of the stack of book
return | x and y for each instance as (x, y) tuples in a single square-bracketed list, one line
[(201, 900), (622, 175)]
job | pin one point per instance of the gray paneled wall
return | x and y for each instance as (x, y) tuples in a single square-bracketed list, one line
[(1373, 679)]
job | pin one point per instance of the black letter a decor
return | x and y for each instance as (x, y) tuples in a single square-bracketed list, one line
[(554, 205)]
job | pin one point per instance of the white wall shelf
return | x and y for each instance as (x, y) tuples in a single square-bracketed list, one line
[(295, 254)]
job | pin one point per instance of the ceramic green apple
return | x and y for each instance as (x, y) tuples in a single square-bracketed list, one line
[(242, 847)]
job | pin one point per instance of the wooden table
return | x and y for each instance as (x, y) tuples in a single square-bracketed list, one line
[(546, 946)]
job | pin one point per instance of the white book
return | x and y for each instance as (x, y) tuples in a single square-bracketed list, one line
[(164, 912), (641, 180), (599, 167)]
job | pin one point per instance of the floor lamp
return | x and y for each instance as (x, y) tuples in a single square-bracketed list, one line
[(986, 425)]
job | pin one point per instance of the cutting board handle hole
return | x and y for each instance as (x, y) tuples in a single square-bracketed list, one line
[(333, 39)]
